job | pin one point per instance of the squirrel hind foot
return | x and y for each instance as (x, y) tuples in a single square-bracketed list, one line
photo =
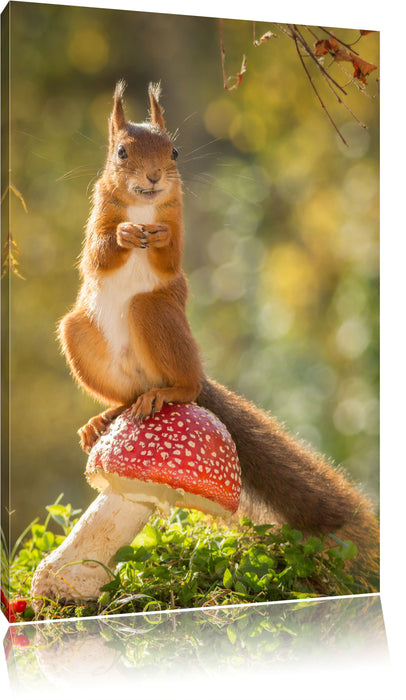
[(96, 426), (90, 433), (147, 404)]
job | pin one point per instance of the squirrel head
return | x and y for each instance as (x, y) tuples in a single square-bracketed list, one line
[(141, 158)]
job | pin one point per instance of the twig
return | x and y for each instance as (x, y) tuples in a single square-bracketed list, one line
[(330, 80), (356, 41), (10, 263), (344, 104), (314, 35), (347, 46), (223, 64), (18, 194), (295, 38), (297, 34), (11, 250), (223, 55), (304, 51)]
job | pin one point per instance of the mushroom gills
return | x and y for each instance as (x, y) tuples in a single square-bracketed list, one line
[(161, 496)]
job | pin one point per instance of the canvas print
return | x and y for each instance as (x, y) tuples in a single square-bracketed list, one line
[(190, 312)]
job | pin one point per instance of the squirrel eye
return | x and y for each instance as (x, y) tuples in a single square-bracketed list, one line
[(175, 153), (121, 152)]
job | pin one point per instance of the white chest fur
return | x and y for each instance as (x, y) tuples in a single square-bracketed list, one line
[(141, 214), (111, 300)]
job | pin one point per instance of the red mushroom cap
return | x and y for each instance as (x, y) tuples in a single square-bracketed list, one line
[(181, 456)]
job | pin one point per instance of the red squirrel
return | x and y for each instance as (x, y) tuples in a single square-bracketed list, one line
[(128, 341)]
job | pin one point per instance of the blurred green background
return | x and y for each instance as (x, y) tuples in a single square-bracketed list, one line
[(281, 221)]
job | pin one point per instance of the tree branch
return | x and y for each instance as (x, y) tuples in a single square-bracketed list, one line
[(295, 38)]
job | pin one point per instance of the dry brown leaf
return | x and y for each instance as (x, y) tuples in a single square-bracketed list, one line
[(265, 37), (239, 75), (342, 55), (362, 68), (334, 44), (321, 47)]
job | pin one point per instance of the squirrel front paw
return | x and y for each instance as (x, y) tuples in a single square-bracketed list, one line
[(91, 431), (131, 235), (159, 235)]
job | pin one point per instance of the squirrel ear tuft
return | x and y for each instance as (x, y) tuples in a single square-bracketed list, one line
[(154, 92), (117, 119)]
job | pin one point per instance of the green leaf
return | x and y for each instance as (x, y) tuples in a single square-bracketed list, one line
[(293, 536), (148, 537), (300, 595), (220, 567), (60, 510), (240, 588), (125, 553), (59, 519), (232, 633), (250, 580), (46, 541), (28, 613), (141, 554), (37, 529), (113, 585), (227, 579), (262, 529), (313, 545), (229, 547), (104, 599), (349, 549), (302, 565), (245, 522), (162, 572)]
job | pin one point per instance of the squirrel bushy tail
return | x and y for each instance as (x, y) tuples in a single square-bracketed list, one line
[(284, 480)]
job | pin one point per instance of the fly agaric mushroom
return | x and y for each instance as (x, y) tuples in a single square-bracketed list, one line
[(182, 456)]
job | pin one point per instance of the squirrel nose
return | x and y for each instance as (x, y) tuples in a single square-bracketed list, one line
[(154, 176)]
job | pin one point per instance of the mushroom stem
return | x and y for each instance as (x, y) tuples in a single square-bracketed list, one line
[(78, 568)]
